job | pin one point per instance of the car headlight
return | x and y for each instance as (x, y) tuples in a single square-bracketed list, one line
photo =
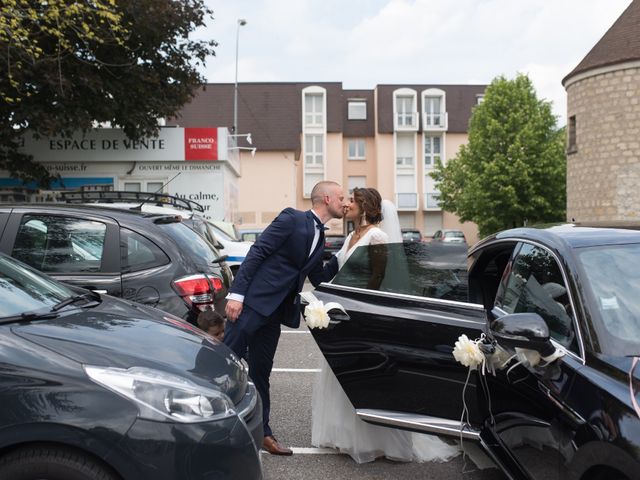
[(161, 396)]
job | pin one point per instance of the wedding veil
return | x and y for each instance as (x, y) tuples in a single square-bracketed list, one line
[(396, 278), (390, 223)]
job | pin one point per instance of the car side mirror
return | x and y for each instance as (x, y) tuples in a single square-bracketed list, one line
[(524, 330), (220, 259)]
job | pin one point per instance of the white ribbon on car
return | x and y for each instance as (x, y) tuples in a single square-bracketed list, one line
[(316, 313)]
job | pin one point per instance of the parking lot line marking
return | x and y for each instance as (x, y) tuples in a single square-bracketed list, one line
[(296, 331), (311, 451), (315, 451), (296, 370)]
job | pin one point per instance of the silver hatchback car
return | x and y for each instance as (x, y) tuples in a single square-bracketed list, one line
[(449, 236)]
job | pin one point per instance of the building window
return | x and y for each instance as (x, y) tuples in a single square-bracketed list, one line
[(357, 182), (479, 99), (356, 149), (313, 150), (357, 110), (432, 150), (314, 109), (404, 162), (433, 111), (148, 186), (405, 111), (405, 151), (572, 147)]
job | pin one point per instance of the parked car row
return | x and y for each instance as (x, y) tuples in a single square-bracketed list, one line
[(95, 386)]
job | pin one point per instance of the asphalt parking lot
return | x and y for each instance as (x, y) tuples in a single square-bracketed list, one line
[(292, 380)]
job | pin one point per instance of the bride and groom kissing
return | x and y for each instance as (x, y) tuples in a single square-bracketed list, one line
[(265, 291)]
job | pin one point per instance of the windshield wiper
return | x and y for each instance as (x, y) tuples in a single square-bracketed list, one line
[(25, 317), (90, 295)]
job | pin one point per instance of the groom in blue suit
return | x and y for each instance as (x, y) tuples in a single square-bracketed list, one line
[(265, 291)]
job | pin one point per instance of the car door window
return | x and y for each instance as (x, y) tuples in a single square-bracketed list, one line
[(139, 253), (413, 269), (58, 244), (533, 282)]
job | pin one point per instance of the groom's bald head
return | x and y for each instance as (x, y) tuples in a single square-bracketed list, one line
[(327, 200), (323, 189)]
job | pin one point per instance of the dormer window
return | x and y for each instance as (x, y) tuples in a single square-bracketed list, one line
[(434, 112), (313, 109), (357, 110)]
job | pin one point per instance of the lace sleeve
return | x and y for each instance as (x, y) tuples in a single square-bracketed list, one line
[(378, 237)]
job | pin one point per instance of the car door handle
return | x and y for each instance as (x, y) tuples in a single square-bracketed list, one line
[(338, 316)]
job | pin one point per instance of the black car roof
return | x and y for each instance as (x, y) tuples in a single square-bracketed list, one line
[(572, 235)]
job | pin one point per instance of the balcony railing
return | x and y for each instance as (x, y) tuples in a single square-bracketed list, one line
[(434, 121), (406, 121), (432, 201), (407, 201)]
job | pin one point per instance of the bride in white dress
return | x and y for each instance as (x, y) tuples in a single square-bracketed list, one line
[(334, 421)]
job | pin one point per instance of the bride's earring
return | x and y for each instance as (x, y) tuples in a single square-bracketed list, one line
[(363, 220)]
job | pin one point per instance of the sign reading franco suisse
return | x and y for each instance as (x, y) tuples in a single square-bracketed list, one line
[(200, 144), (111, 145)]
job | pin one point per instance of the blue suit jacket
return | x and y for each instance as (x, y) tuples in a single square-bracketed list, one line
[(277, 264)]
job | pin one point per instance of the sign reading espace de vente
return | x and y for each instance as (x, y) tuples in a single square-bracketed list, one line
[(112, 145)]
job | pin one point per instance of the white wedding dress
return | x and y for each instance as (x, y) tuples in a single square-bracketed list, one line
[(334, 421)]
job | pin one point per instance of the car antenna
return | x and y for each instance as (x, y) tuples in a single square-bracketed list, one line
[(151, 195)]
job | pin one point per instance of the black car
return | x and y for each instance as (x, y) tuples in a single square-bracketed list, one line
[(332, 245), (565, 290), (410, 235), (96, 387), (151, 258)]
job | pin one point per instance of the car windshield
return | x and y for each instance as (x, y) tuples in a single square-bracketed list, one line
[(613, 285), (221, 233), (454, 234), (25, 290), (199, 249)]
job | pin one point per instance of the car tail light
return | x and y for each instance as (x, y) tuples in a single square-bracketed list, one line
[(198, 290)]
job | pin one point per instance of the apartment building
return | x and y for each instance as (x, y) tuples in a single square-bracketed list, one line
[(389, 138)]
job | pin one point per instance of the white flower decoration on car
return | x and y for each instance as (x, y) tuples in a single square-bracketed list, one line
[(316, 313), (467, 352)]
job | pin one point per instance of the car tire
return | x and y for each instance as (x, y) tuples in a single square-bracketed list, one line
[(51, 463)]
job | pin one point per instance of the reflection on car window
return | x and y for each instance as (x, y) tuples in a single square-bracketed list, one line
[(139, 253), (613, 279), (436, 271), (534, 283), (59, 244), (191, 242)]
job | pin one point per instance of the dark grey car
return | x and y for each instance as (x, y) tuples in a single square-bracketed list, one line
[(100, 388), (153, 259)]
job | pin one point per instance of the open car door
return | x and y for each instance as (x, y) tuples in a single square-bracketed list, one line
[(406, 306)]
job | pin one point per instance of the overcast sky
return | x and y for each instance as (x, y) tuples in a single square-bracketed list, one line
[(362, 43)]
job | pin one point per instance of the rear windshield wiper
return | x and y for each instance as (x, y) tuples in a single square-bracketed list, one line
[(90, 295)]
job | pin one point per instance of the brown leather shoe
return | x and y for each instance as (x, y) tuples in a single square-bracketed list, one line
[(271, 445)]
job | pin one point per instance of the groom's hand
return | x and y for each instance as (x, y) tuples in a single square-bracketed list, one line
[(233, 310)]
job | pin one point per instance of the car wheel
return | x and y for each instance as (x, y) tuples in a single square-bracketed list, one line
[(51, 463)]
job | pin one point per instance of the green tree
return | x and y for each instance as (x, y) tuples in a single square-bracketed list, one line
[(512, 171), (66, 65)]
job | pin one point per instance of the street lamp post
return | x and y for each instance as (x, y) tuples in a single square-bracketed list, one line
[(241, 22)]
